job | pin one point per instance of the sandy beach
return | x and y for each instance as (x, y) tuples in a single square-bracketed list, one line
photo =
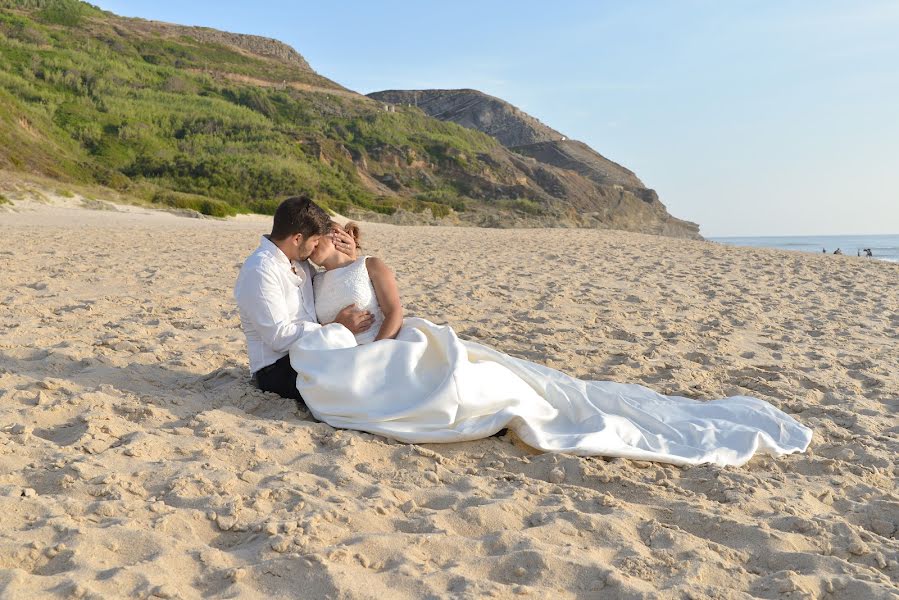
[(136, 459)]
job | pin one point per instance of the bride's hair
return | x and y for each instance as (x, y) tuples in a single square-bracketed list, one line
[(352, 229)]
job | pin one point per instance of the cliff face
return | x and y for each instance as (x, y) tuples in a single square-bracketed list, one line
[(561, 165), (578, 156), (475, 110)]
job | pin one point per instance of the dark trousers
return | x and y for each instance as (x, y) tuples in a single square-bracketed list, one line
[(280, 378)]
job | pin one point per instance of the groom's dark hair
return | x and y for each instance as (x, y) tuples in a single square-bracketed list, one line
[(299, 214)]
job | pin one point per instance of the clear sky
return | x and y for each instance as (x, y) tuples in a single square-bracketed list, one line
[(777, 117)]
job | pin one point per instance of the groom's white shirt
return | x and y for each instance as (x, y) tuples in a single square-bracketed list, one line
[(276, 305)]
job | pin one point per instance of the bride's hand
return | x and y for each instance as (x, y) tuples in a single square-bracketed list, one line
[(354, 319), (344, 242)]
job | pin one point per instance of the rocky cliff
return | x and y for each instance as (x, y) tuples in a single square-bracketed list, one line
[(607, 200), (476, 110)]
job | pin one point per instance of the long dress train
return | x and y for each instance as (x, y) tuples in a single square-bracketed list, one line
[(428, 385)]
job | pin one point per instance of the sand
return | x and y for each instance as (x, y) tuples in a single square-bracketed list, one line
[(136, 460)]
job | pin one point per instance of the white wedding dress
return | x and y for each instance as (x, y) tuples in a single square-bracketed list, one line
[(428, 385)]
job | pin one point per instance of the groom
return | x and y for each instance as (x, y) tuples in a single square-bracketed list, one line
[(274, 293)]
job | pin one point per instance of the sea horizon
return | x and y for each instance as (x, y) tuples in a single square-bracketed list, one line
[(883, 247)]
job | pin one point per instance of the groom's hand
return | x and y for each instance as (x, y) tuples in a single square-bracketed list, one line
[(354, 319)]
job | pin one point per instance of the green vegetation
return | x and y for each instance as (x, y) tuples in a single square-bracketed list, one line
[(4, 200), (201, 204), (446, 196), (58, 12), (92, 98), (522, 205)]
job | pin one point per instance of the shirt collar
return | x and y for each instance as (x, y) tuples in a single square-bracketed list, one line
[(275, 251), (296, 268)]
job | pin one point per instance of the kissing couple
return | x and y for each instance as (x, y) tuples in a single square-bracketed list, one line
[(325, 326)]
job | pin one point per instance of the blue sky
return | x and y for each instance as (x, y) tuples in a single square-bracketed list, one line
[(777, 117)]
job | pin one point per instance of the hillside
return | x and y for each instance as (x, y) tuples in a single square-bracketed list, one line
[(615, 186), (222, 123)]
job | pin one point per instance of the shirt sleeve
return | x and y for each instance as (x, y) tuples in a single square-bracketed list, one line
[(260, 297)]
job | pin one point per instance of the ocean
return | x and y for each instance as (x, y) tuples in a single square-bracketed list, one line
[(884, 247)]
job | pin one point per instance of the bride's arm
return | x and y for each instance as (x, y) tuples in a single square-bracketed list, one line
[(388, 297)]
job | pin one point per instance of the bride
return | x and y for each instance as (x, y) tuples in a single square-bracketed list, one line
[(414, 381)]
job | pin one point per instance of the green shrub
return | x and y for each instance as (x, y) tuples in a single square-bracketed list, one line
[(438, 210), (523, 205), (110, 178), (201, 204), (384, 209), (264, 207), (4, 200), (445, 196), (19, 28), (334, 206), (60, 12)]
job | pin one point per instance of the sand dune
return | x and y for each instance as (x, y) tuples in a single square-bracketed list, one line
[(137, 461)]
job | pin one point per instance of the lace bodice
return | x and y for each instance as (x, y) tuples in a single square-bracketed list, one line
[(347, 285)]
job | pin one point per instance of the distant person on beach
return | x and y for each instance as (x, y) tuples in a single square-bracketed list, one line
[(868, 253), (837, 251), (824, 250), (274, 292)]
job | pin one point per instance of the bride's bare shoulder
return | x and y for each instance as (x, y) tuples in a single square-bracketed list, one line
[(376, 266)]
